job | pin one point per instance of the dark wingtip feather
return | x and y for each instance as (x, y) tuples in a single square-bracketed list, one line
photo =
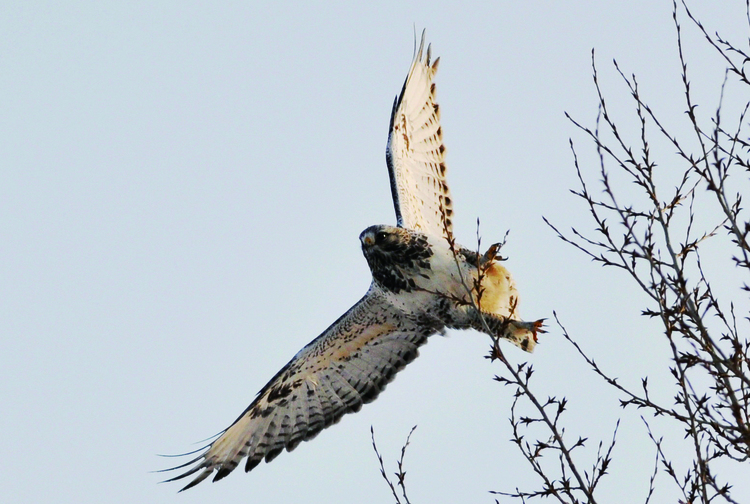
[(272, 454), (222, 473), (252, 463), (206, 472), (198, 479)]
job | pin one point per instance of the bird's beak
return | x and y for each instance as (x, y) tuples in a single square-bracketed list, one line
[(368, 239)]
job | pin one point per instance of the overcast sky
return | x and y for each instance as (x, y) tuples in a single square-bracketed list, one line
[(182, 186)]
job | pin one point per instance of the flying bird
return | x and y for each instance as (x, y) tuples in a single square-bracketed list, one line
[(422, 283)]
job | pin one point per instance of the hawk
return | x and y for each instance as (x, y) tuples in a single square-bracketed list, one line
[(422, 283)]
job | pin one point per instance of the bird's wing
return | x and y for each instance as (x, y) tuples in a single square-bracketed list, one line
[(415, 153), (346, 366)]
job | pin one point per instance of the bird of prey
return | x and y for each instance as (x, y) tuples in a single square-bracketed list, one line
[(422, 283)]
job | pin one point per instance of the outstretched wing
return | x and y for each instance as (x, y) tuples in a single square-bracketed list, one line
[(415, 153), (346, 366)]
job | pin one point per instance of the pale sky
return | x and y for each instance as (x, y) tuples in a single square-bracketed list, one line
[(182, 186)]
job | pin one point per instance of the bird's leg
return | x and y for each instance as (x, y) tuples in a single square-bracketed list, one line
[(520, 333)]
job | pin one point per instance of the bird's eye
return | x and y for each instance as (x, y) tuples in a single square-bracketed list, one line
[(381, 236)]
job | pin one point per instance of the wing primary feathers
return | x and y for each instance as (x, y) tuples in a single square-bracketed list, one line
[(421, 46), (415, 153), (338, 372), (205, 474), (396, 104), (196, 459)]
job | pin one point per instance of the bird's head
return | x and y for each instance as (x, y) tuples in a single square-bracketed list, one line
[(395, 255), (383, 238)]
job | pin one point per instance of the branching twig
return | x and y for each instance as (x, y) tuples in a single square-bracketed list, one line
[(400, 474), (659, 245)]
